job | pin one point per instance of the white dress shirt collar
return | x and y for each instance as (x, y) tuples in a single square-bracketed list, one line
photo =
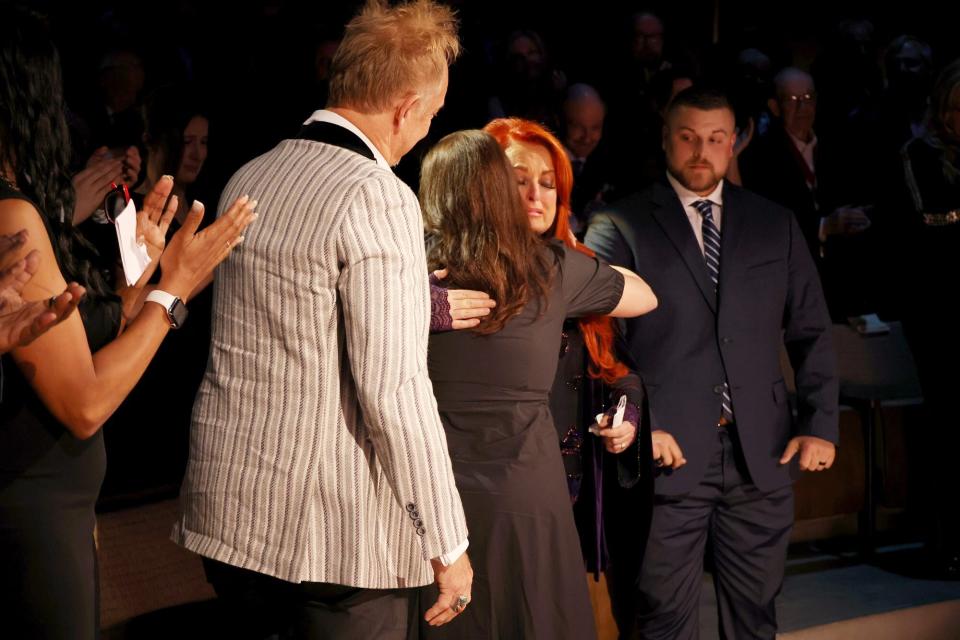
[(688, 197)]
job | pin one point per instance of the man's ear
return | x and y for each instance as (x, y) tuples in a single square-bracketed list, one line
[(404, 108)]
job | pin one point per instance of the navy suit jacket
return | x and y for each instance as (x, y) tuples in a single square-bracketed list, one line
[(769, 295)]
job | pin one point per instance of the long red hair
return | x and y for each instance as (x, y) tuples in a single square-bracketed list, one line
[(598, 331)]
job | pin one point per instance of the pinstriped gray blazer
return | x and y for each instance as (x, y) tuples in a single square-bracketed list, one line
[(316, 451)]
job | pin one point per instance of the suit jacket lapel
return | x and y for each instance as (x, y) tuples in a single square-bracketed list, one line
[(732, 231), (669, 214)]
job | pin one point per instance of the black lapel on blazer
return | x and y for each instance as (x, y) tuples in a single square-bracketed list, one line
[(669, 214), (338, 136), (733, 227)]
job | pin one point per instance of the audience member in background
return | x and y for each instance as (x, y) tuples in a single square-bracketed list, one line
[(848, 74), (529, 86), (791, 166), (113, 119), (594, 172), (177, 130)]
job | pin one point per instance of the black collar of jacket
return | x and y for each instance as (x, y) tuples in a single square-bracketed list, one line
[(338, 136)]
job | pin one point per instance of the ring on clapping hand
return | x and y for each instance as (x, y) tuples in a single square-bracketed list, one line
[(462, 601)]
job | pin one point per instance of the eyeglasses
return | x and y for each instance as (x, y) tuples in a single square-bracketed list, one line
[(798, 99), (115, 201)]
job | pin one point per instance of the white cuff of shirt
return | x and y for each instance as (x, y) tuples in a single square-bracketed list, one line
[(450, 557)]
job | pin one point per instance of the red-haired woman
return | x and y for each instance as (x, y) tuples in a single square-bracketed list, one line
[(589, 379), (492, 385)]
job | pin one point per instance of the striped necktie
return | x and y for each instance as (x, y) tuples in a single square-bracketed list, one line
[(711, 240), (711, 255)]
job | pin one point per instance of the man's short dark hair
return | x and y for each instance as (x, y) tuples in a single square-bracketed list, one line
[(703, 98)]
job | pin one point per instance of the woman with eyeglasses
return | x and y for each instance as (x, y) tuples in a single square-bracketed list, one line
[(59, 389)]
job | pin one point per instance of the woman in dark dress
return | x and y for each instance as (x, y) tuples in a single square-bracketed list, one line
[(60, 388), (493, 383), (925, 244), (612, 492)]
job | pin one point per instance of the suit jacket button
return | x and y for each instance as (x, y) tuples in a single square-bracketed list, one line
[(411, 507), (421, 531), (718, 389)]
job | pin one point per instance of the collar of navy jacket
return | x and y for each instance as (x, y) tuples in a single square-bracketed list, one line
[(669, 214)]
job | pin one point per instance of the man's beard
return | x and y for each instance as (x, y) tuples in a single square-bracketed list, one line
[(705, 181)]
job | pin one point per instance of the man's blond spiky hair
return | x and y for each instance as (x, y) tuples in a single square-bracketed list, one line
[(388, 52)]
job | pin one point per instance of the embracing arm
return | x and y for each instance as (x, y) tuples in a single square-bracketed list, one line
[(637, 299), (605, 239), (455, 308)]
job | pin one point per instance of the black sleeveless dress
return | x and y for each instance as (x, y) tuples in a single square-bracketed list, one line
[(49, 481)]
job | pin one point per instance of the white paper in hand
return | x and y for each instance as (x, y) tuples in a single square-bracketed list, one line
[(869, 325), (133, 255), (617, 416)]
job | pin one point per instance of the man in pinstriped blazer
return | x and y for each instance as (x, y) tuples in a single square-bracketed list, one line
[(319, 488)]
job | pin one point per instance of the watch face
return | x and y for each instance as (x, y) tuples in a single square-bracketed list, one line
[(177, 313)]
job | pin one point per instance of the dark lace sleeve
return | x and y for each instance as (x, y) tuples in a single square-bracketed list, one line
[(440, 318), (634, 462)]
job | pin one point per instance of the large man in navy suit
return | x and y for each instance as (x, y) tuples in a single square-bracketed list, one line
[(735, 280)]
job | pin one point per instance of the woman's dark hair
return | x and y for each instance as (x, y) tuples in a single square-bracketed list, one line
[(34, 139), (477, 227), (168, 111), (941, 100)]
